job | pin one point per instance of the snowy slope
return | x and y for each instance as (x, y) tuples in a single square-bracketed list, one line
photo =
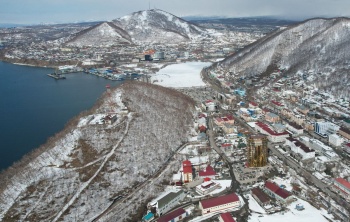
[(158, 26), (320, 45), (103, 35), (74, 176)]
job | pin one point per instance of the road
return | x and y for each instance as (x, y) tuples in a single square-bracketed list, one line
[(314, 180), (234, 184)]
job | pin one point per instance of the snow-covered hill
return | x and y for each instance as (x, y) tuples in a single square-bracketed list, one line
[(159, 26), (102, 35), (319, 46), (78, 173)]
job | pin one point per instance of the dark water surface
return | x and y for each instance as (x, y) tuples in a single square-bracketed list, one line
[(34, 107)]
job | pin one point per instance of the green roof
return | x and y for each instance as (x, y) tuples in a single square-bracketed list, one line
[(167, 198)]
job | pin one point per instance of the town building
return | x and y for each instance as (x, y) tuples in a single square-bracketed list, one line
[(219, 204), (320, 148), (300, 148), (280, 194), (262, 198), (257, 150), (207, 187), (342, 187), (226, 217), (208, 172), (277, 106), (335, 140), (272, 118), (272, 136), (345, 132), (295, 129), (325, 129), (167, 201), (174, 216), (187, 173)]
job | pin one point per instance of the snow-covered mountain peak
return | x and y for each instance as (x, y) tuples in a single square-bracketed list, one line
[(158, 26), (104, 34)]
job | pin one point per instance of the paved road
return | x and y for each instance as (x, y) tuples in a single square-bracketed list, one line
[(234, 184), (318, 183)]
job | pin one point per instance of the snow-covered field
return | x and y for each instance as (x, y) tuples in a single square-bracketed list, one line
[(309, 214), (181, 75)]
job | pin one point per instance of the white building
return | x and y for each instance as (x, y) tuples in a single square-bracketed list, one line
[(325, 129), (167, 201), (300, 148), (295, 128), (335, 140), (207, 187), (272, 136), (219, 204)]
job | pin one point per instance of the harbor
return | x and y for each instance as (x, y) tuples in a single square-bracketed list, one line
[(112, 74)]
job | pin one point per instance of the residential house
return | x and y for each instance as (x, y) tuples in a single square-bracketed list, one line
[(219, 204)]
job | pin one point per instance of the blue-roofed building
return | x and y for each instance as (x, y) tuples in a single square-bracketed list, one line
[(148, 217)]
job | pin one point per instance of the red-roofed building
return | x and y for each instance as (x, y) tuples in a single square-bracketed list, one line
[(253, 105), (277, 104), (207, 172), (342, 187), (262, 198), (226, 217), (174, 216), (202, 129), (219, 204), (187, 171), (272, 136), (280, 194)]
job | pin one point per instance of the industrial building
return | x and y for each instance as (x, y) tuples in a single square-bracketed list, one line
[(257, 150)]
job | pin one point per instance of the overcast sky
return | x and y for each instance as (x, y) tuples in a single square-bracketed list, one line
[(60, 11)]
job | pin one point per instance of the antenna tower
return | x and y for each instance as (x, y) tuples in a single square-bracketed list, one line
[(111, 104)]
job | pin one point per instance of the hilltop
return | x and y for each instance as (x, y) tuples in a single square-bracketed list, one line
[(319, 47)]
